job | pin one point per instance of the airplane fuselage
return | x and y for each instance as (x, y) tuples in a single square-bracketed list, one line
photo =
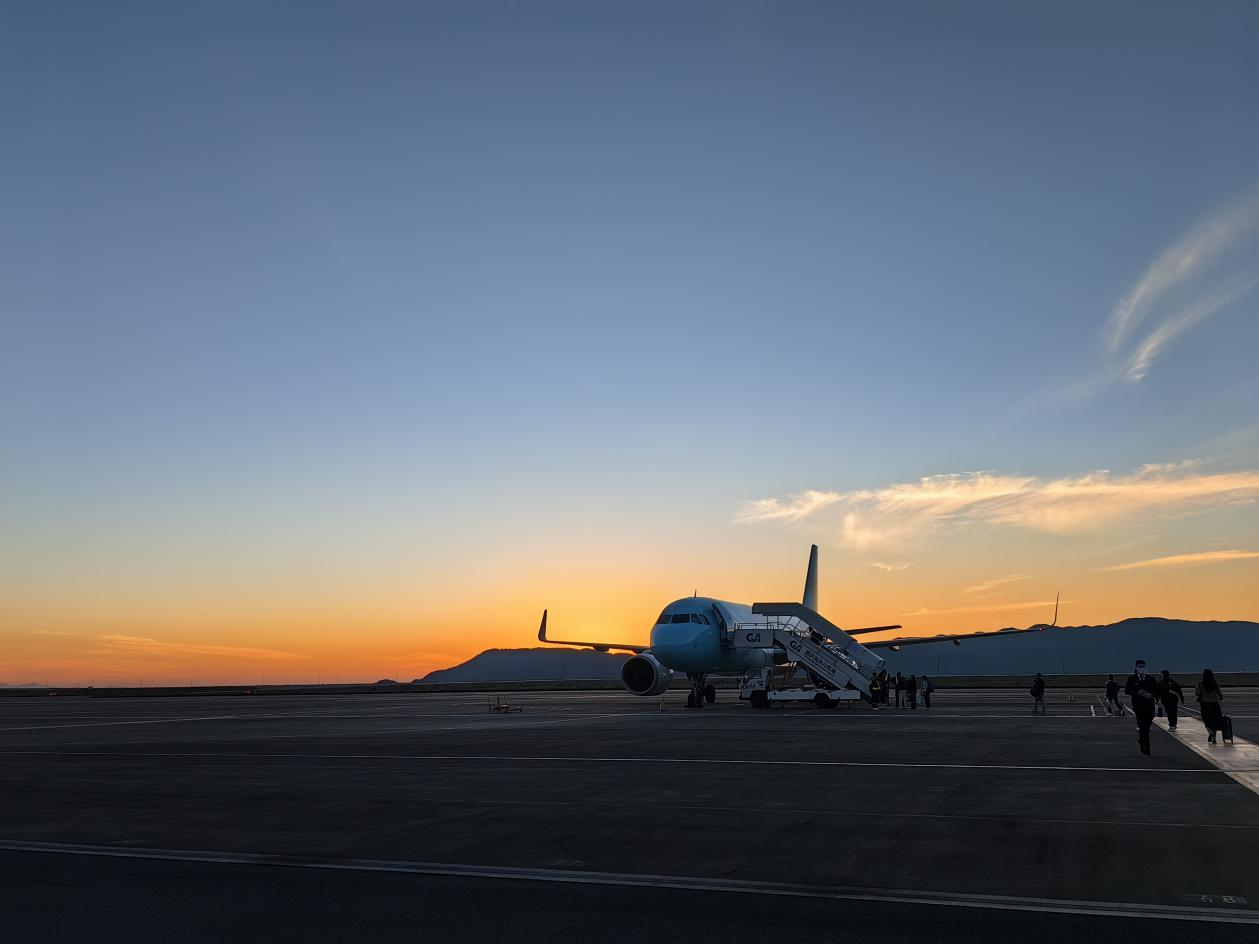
[(687, 636)]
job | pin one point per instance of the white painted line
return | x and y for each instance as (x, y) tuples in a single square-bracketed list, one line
[(682, 882), (1239, 759), (555, 759), (106, 724)]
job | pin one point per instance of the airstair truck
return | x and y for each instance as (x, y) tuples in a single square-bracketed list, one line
[(839, 668)]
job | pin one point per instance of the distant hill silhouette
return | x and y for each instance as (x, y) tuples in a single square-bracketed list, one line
[(522, 665), (1184, 646)]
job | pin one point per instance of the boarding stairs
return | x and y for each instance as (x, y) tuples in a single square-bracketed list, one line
[(809, 639)]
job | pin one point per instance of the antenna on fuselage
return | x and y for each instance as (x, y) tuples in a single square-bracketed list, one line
[(810, 581)]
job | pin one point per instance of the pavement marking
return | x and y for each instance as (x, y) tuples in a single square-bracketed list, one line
[(106, 724), (682, 882), (551, 759), (1143, 823), (1239, 760)]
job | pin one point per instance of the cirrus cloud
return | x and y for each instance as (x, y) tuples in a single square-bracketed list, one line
[(1181, 560), (1202, 273), (869, 517), (144, 644)]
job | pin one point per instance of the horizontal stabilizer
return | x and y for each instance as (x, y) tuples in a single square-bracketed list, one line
[(872, 629)]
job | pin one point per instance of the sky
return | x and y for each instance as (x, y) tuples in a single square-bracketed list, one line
[(339, 339)]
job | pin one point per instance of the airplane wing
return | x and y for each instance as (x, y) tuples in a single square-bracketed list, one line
[(596, 646), (956, 639)]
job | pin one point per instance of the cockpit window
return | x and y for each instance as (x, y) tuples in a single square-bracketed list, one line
[(664, 618), (699, 618), (681, 618)]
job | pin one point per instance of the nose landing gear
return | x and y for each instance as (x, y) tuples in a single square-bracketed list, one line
[(700, 693)]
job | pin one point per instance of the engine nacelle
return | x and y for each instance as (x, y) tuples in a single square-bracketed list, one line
[(644, 675)]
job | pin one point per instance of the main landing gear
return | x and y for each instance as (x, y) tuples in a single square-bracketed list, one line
[(700, 693)]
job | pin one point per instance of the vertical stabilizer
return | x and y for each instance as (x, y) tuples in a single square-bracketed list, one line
[(810, 581)]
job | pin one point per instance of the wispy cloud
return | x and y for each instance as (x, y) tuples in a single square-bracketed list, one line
[(891, 568), (993, 584), (1176, 324), (143, 644), (990, 608), (1199, 275), (801, 506), (1180, 560), (869, 517)]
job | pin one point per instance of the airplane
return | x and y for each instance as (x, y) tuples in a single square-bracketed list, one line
[(703, 636)]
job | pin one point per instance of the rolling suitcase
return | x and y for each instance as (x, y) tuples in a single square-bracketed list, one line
[(1228, 728)]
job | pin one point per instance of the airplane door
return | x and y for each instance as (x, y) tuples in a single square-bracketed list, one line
[(724, 623)]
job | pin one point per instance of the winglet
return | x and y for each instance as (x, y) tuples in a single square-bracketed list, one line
[(542, 628), (810, 581)]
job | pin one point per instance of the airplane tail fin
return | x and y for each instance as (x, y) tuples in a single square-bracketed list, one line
[(810, 581)]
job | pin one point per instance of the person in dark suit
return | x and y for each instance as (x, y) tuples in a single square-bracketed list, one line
[(1172, 697), (1143, 690)]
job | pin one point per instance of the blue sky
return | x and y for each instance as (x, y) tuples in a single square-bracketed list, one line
[(299, 294)]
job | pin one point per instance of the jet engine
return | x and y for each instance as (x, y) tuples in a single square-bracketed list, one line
[(644, 675)]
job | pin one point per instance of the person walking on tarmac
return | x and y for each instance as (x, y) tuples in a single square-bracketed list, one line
[(897, 685), (1113, 705), (1143, 690), (1210, 701), (876, 692), (911, 687), (927, 687), (886, 683), (1172, 696), (1038, 694)]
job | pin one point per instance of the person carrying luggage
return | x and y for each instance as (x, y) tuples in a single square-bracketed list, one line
[(1210, 702), (1038, 694)]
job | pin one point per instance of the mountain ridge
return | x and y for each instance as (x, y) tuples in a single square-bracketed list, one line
[(1180, 645)]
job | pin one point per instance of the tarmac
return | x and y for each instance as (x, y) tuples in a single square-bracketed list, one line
[(599, 816)]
